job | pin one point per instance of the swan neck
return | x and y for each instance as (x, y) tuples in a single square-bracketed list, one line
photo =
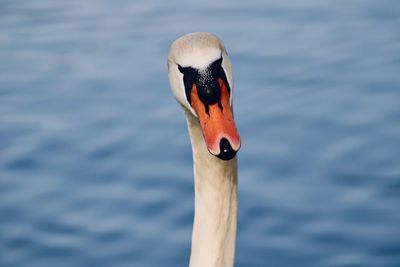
[(215, 220)]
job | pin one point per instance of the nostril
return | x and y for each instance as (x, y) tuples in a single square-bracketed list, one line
[(226, 150)]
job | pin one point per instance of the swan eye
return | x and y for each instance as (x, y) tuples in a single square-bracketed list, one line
[(216, 63), (185, 70)]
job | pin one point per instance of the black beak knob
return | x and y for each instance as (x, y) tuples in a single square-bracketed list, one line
[(226, 150)]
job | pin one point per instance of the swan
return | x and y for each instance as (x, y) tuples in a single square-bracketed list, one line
[(200, 76)]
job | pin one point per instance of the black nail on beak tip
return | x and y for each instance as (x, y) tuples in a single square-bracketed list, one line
[(226, 150)]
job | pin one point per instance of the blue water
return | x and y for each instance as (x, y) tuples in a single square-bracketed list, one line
[(95, 160)]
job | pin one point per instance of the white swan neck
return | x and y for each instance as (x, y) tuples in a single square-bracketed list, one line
[(214, 228)]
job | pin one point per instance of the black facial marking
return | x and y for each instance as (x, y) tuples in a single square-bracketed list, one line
[(189, 78), (206, 81)]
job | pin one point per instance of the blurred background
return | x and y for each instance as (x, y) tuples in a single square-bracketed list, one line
[(95, 159)]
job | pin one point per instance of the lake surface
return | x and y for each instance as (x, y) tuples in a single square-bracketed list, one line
[(95, 159)]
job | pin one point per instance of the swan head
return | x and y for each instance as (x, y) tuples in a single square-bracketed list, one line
[(200, 75)]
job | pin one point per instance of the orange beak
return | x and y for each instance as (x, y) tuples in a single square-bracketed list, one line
[(218, 125)]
